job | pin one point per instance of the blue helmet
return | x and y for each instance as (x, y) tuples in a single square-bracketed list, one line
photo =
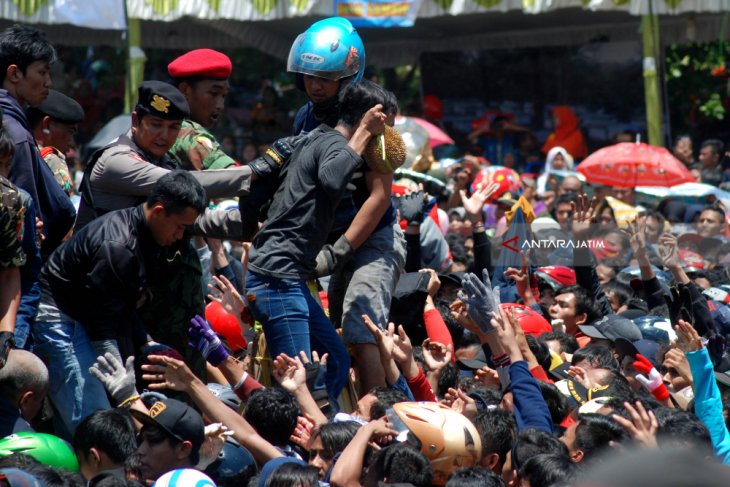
[(649, 330), (331, 49), (233, 461)]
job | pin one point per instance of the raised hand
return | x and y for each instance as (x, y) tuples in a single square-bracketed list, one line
[(638, 238), (650, 378), (167, 373), (521, 277), (584, 214), (434, 283), (289, 372), (474, 205), (414, 207), (226, 294), (215, 439), (384, 338), (303, 430), (374, 120), (436, 355), (118, 379), (677, 360), (668, 251), (481, 300), (580, 375), (688, 340), (489, 377), (643, 425), (402, 346), (462, 404), (206, 341), (506, 335)]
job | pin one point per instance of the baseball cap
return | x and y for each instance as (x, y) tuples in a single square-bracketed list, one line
[(579, 395), (453, 278), (612, 327), (479, 361), (178, 420), (647, 348)]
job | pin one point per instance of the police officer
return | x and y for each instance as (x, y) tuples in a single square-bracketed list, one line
[(121, 174), (54, 123), (202, 76)]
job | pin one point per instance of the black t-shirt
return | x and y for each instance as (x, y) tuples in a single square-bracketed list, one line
[(303, 209)]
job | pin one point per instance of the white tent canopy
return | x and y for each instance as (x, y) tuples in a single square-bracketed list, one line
[(441, 25)]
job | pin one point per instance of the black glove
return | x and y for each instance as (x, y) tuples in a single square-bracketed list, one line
[(680, 307), (716, 348), (414, 207), (275, 157), (333, 257), (7, 342)]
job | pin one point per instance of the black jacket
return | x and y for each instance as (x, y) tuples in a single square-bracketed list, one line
[(98, 277)]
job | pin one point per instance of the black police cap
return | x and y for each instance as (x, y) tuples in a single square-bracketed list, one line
[(62, 108), (162, 100)]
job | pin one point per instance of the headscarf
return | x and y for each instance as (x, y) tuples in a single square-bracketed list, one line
[(543, 178), (567, 134)]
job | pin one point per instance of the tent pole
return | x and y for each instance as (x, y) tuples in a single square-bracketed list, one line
[(652, 93), (135, 63)]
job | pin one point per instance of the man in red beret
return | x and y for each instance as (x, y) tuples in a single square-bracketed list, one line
[(202, 76)]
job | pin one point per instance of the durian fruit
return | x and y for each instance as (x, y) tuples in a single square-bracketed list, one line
[(386, 152)]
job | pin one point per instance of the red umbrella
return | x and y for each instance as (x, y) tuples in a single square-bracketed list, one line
[(628, 165), (436, 136)]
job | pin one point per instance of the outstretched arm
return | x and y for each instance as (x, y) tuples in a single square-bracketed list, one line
[(169, 373)]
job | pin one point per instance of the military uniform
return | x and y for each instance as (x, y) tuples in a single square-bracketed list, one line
[(62, 110), (57, 162), (12, 256), (196, 149), (11, 226)]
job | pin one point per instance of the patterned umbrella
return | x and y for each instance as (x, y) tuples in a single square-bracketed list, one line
[(628, 165)]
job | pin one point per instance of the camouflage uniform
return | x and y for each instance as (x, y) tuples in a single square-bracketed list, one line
[(11, 226), (197, 149), (57, 162)]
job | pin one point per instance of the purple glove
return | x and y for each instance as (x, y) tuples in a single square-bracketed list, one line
[(205, 340)]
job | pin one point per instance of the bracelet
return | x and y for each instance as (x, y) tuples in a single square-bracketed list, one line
[(502, 360), (129, 401), (241, 381)]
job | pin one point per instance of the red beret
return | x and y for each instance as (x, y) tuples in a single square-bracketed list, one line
[(203, 63)]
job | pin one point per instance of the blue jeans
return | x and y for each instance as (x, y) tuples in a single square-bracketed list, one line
[(68, 354), (293, 321)]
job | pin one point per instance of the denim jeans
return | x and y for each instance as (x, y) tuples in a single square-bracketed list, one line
[(293, 321), (68, 354)]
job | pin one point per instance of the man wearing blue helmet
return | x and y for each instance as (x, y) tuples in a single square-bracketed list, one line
[(366, 247), (327, 55)]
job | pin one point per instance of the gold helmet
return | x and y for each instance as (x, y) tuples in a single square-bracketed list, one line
[(448, 439)]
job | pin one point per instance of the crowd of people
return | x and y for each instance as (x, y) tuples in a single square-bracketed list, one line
[(315, 317)]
